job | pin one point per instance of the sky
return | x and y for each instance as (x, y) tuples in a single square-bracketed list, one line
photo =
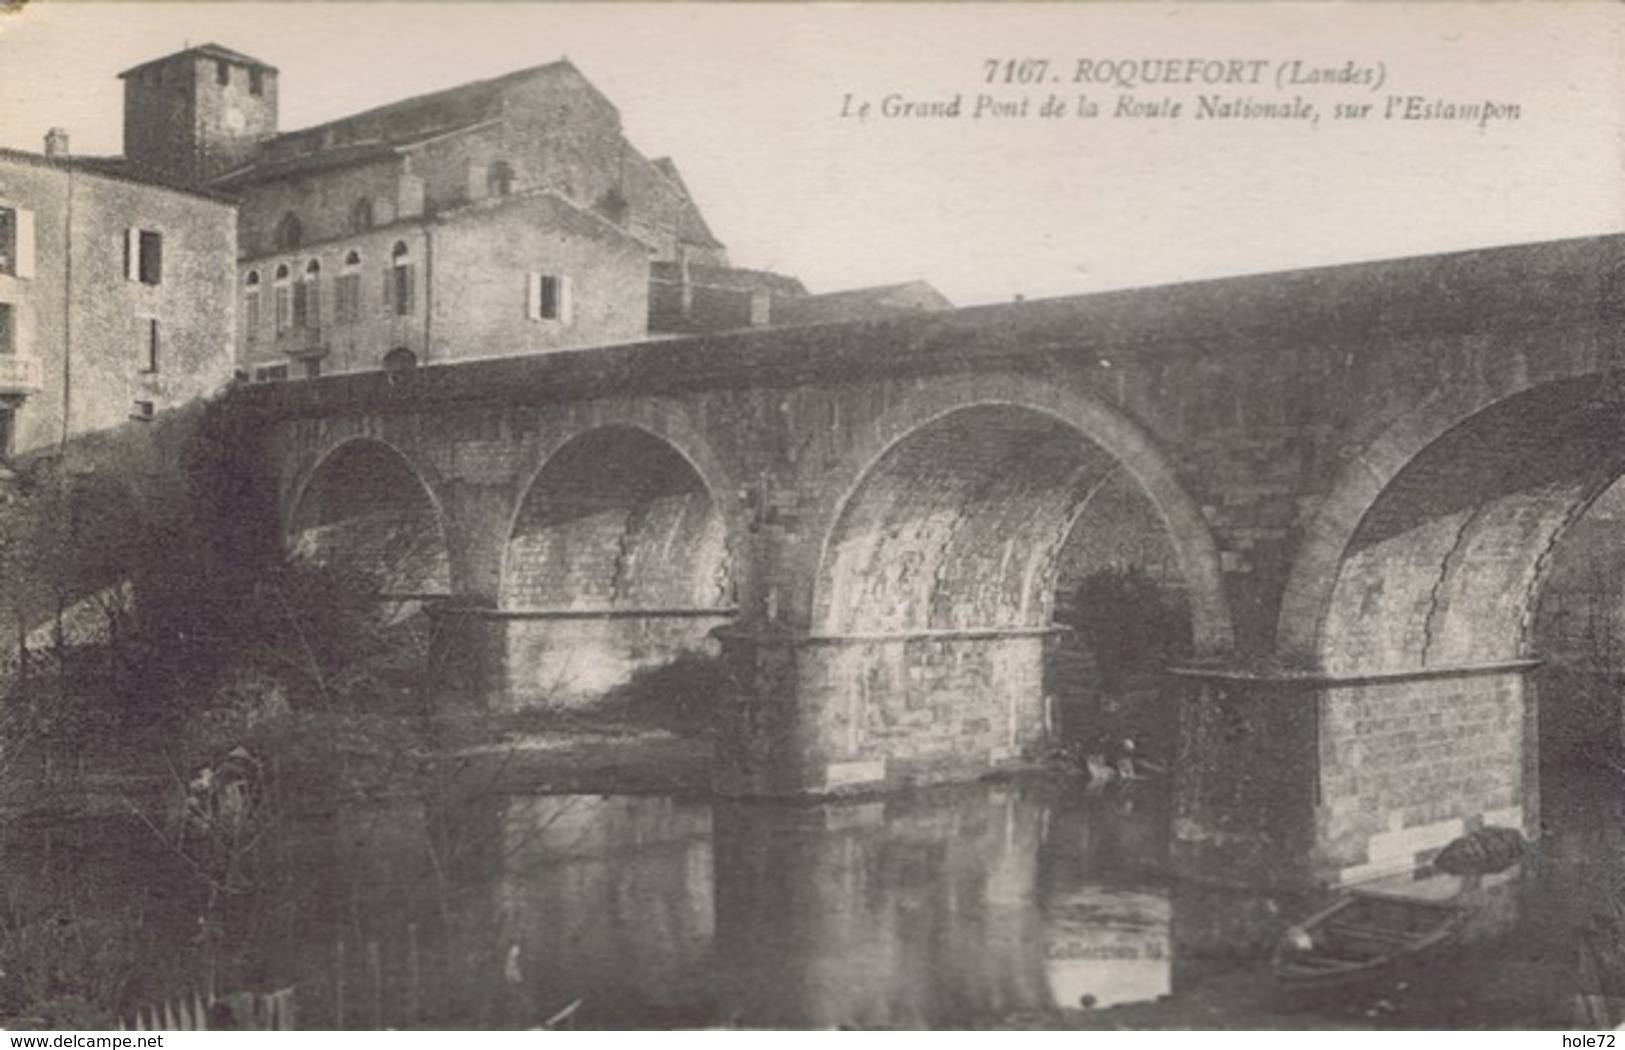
[(749, 100)]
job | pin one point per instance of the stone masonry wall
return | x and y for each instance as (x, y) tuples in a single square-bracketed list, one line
[(1406, 766)]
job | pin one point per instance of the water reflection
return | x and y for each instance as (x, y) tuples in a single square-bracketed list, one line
[(936, 908), (930, 908)]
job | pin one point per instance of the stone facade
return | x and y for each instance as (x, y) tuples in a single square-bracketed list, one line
[(466, 283), (518, 199), (116, 300), (190, 116)]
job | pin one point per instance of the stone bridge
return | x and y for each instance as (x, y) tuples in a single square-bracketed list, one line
[(1352, 478)]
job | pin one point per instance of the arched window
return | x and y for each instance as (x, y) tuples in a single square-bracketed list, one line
[(361, 215), (307, 298), (399, 281), (283, 298), (400, 359), (289, 233), (347, 291), (499, 179)]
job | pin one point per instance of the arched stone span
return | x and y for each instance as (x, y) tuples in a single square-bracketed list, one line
[(363, 507), (319, 444), (617, 518), (617, 562), (1426, 718), (959, 526), (925, 653), (1428, 550), (1065, 425)]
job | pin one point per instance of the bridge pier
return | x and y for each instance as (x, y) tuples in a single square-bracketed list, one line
[(833, 713), (1290, 778)]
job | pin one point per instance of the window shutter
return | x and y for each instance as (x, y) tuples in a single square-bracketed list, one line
[(566, 300), (533, 296), (25, 243), (389, 287), (132, 254)]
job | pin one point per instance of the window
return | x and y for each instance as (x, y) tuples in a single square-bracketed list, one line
[(283, 300), (8, 330), (149, 345), (7, 430), (144, 256), (270, 373), (256, 81), (398, 283), (222, 72), (251, 306), (347, 291), (548, 298), (361, 215), (347, 298), (307, 300), (403, 289), (290, 233), (313, 367), (143, 411), (400, 359), (499, 179), (16, 242)]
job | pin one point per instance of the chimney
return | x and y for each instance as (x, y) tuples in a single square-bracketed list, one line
[(56, 142)]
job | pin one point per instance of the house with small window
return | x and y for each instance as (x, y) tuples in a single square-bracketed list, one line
[(505, 216), (116, 297)]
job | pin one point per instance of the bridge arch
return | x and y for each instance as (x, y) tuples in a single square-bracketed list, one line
[(620, 514), (364, 504), (1430, 548), (617, 563), (1413, 607), (1055, 454)]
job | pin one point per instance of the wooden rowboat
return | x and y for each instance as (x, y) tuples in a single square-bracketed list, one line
[(1362, 939)]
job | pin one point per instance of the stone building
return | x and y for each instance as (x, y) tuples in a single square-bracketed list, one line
[(506, 216), (500, 217), (115, 297)]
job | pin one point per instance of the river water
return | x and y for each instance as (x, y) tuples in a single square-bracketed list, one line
[(948, 907)]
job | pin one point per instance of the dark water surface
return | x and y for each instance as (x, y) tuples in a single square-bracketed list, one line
[(946, 907)]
